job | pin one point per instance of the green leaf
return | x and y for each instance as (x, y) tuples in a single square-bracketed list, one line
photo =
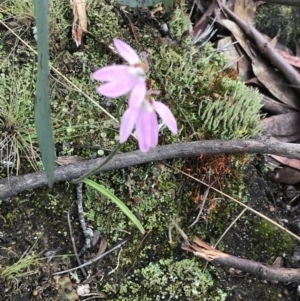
[(168, 4), (42, 115), (140, 3), (117, 201)]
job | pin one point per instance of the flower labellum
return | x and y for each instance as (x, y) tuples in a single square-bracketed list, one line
[(141, 114), (121, 79)]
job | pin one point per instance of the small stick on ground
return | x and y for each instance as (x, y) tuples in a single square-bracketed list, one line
[(117, 246), (258, 269), (235, 220), (74, 245), (200, 249), (203, 198), (118, 263)]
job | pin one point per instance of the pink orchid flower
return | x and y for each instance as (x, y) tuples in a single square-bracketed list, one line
[(142, 115), (121, 79)]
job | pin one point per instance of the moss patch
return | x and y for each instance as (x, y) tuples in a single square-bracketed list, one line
[(279, 20), (170, 280), (272, 242)]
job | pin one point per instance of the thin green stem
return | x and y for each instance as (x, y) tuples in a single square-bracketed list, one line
[(97, 168)]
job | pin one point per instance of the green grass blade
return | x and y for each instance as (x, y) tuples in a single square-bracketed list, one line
[(168, 4), (117, 201), (42, 118)]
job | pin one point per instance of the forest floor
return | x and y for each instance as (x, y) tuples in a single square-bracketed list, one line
[(35, 240)]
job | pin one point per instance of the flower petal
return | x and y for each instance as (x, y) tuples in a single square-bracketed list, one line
[(166, 115), (147, 130), (153, 135), (115, 89), (127, 53), (138, 94), (127, 123), (111, 73)]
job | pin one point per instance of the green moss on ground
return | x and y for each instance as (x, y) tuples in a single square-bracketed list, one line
[(170, 280), (279, 20), (271, 242)]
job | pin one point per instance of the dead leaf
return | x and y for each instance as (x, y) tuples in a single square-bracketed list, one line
[(289, 175), (244, 69), (292, 60), (284, 127), (278, 263), (229, 3), (290, 172), (202, 23), (294, 163), (245, 9), (229, 51), (133, 28), (272, 105), (275, 83), (259, 3), (79, 25), (274, 41), (265, 74), (241, 63), (254, 81), (128, 184), (103, 245)]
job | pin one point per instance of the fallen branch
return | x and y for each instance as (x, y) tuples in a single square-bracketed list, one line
[(15, 185), (258, 269)]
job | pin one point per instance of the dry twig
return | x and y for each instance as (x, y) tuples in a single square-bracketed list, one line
[(200, 249), (74, 245), (117, 246), (203, 198), (34, 180), (261, 270)]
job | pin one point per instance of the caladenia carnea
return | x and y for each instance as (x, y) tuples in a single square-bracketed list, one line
[(142, 107)]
